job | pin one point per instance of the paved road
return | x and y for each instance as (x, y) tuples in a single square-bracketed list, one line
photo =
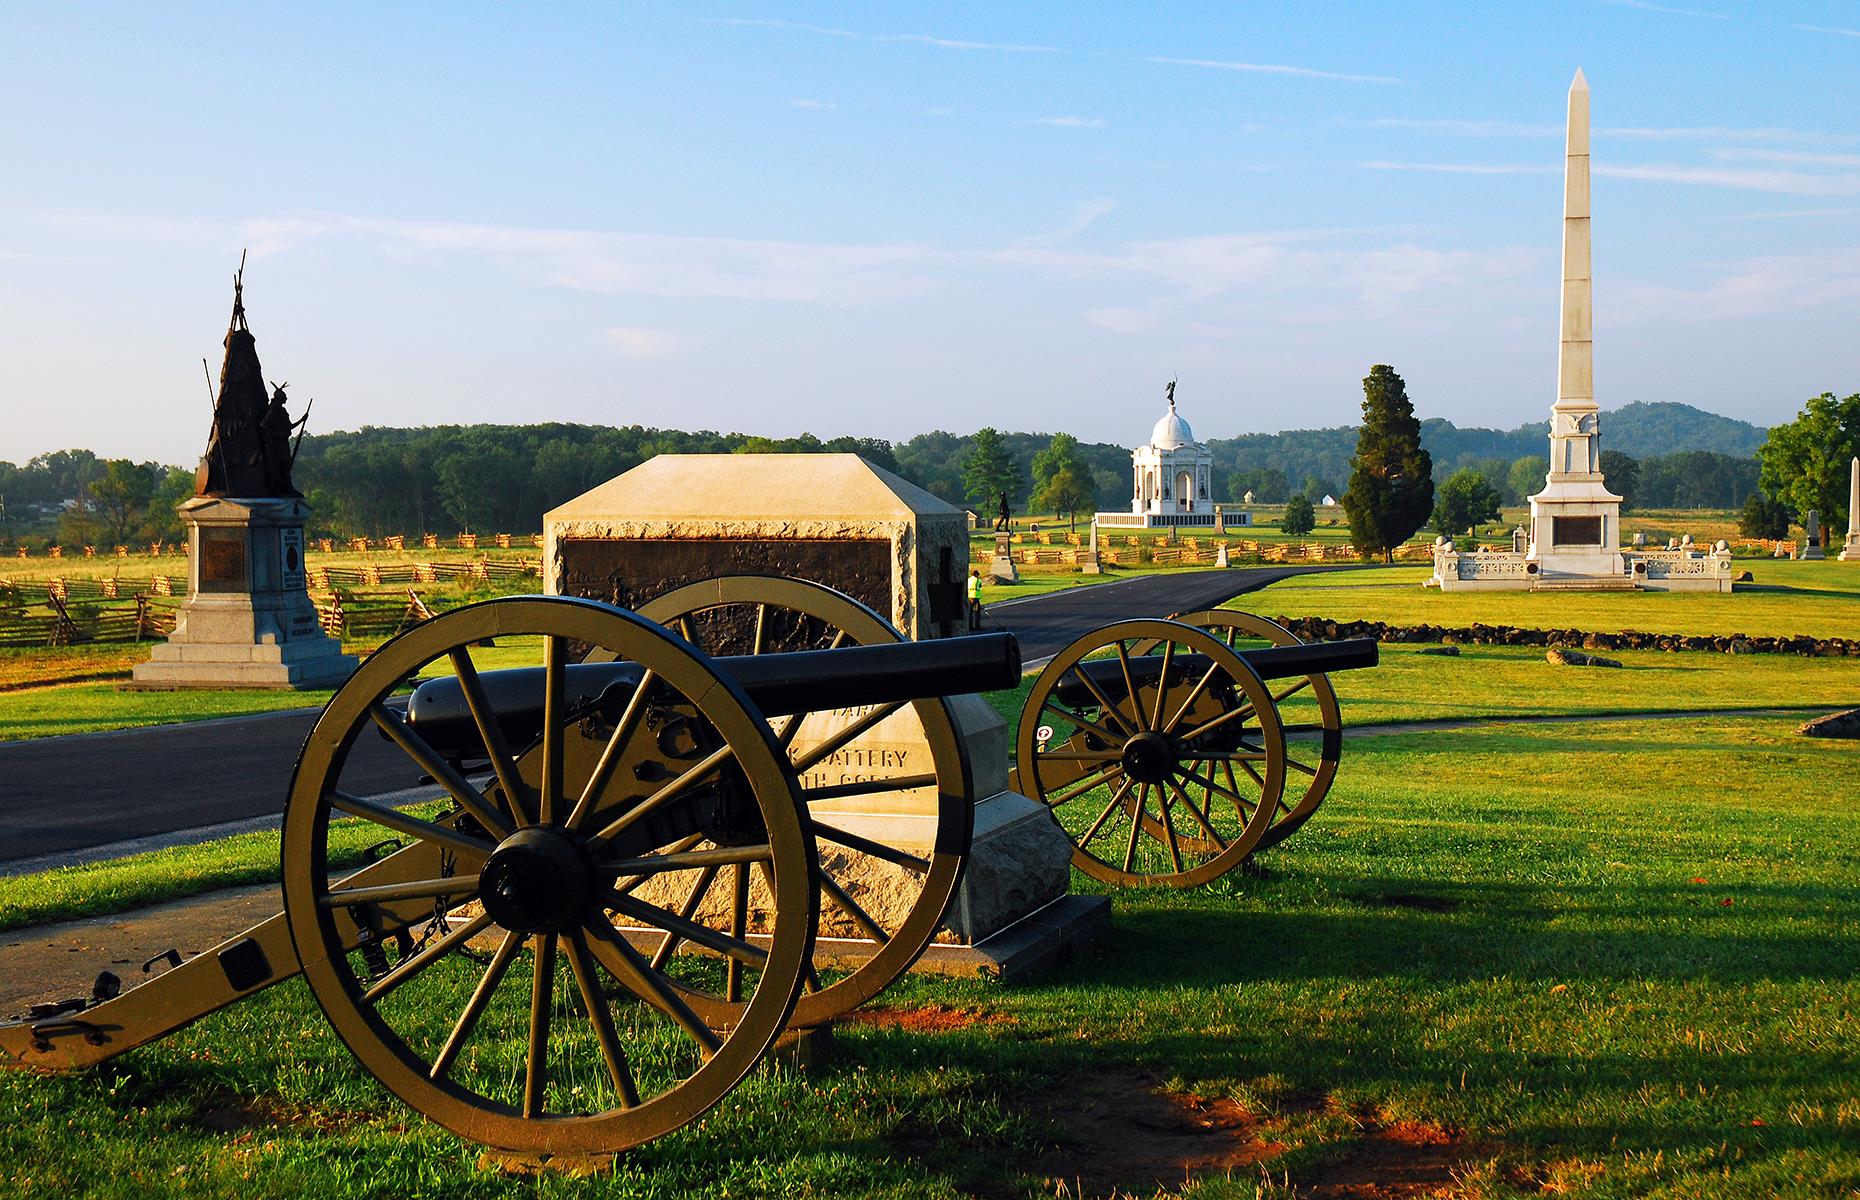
[(63, 799), (1047, 624)]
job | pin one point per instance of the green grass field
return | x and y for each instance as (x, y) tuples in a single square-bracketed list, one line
[(1629, 975), (1819, 599)]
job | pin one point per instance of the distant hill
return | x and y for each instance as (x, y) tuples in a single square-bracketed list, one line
[(1639, 430), (1643, 430)]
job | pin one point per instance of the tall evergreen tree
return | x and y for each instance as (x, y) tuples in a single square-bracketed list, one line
[(989, 470), (1391, 491)]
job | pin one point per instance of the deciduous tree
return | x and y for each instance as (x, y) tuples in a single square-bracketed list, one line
[(1466, 500), (1805, 461), (1621, 475), (1299, 517)]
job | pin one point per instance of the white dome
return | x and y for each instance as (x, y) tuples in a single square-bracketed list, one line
[(1171, 432)]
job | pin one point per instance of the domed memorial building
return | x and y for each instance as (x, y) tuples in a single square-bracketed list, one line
[(1173, 479)]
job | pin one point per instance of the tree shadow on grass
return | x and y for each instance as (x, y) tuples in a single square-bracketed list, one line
[(1458, 932)]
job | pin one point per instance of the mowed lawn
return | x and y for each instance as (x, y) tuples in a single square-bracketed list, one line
[(1599, 961), (1816, 599)]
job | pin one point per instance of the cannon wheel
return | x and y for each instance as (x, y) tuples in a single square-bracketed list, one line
[(824, 618), (1308, 712), (595, 1049), (1176, 786)]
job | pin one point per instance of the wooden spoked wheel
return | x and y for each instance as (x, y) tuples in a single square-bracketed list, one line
[(909, 835), (1158, 749), (518, 1016), (1308, 713)]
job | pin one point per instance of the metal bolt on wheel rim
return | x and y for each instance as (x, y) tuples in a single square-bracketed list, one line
[(1164, 766), (586, 1047)]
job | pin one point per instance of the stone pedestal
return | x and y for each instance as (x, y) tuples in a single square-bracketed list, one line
[(1002, 568), (248, 621)]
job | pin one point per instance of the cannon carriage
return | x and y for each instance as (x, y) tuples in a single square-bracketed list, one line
[(605, 901), (1173, 750)]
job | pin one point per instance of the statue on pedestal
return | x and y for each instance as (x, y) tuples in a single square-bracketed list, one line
[(249, 452)]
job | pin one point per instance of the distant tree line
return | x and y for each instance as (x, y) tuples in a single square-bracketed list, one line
[(502, 478), (74, 498)]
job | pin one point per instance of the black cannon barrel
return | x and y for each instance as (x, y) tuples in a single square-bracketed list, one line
[(815, 680), (779, 684), (1271, 662)]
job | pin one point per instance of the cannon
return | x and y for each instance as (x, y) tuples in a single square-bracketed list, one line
[(599, 910), (1173, 750)]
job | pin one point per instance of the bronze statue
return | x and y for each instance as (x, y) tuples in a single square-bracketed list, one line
[(250, 451), (1001, 518)]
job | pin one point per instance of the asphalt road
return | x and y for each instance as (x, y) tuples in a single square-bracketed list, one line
[(66, 799)]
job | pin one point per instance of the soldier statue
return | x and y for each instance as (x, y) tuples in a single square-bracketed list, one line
[(249, 452)]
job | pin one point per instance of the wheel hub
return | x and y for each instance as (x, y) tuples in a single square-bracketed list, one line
[(538, 880), (1149, 757)]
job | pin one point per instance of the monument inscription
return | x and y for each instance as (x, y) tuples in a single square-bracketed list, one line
[(629, 572)]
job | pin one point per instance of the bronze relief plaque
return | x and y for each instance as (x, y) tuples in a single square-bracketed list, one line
[(222, 560)]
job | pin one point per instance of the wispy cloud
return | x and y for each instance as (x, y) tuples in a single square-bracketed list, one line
[(634, 342), (1272, 69), (1644, 6), (1289, 272), (1793, 183), (608, 263), (1464, 168), (1852, 33), (1719, 133), (1275, 264), (1472, 128), (1788, 214), (1764, 286), (1087, 213), (811, 105), (917, 39), (1797, 157), (1068, 122)]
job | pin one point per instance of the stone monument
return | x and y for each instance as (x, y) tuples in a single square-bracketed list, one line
[(1172, 480), (833, 519), (1811, 537), (1851, 553), (1574, 538), (1088, 562), (248, 621), (1576, 520), (837, 520)]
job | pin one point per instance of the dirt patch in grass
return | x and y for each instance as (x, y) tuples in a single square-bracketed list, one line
[(929, 1018), (1390, 1161), (224, 1112), (1121, 1134)]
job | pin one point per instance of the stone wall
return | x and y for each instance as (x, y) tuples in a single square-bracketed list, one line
[(1322, 629)]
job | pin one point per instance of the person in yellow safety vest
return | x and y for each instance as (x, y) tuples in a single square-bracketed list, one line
[(975, 600)]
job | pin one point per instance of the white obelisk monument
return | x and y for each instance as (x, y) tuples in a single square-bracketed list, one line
[(1576, 520), (1852, 552)]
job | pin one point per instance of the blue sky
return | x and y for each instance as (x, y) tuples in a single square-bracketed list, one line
[(879, 220)]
